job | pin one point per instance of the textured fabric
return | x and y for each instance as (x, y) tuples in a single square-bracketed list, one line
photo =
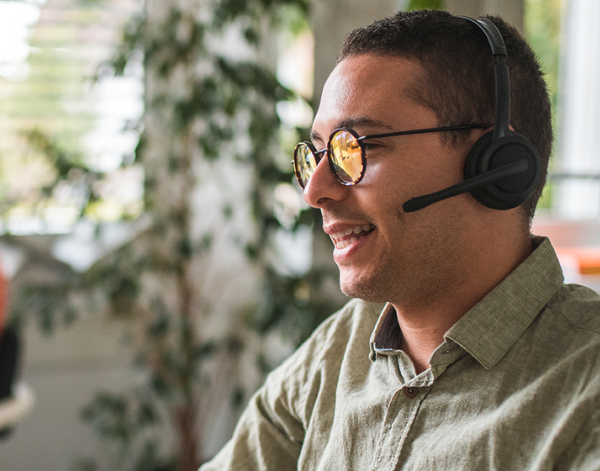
[(514, 386)]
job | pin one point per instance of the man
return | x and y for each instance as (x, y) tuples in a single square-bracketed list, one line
[(481, 358)]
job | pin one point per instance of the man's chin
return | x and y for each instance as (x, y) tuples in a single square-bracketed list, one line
[(363, 289)]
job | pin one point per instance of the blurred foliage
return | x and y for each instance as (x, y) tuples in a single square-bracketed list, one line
[(46, 111), (425, 4), (543, 31), (156, 425)]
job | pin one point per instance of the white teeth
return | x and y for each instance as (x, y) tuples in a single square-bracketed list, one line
[(341, 243)]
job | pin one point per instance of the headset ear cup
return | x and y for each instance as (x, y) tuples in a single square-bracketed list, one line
[(488, 155)]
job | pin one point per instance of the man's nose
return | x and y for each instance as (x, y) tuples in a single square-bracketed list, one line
[(323, 186)]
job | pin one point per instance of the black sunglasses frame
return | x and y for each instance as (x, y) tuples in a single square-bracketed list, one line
[(318, 153)]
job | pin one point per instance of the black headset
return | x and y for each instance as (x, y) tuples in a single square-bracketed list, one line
[(503, 168)]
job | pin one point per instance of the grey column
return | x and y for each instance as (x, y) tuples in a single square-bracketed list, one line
[(511, 10), (332, 20)]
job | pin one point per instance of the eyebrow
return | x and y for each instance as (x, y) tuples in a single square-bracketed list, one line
[(364, 121)]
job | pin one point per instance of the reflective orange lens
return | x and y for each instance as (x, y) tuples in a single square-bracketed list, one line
[(304, 163), (346, 156)]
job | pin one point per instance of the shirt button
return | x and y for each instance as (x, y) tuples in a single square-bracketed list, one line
[(411, 392)]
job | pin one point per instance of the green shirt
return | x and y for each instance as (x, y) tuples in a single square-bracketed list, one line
[(514, 386)]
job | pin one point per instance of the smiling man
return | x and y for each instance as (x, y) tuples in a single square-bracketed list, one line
[(431, 265), (427, 176)]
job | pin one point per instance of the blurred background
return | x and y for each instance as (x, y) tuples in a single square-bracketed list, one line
[(157, 258)]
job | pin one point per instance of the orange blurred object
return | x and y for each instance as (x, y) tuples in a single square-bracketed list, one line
[(586, 258)]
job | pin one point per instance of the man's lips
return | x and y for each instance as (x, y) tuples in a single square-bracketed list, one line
[(347, 237)]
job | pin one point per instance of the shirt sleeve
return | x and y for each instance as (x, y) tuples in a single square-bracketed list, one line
[(584, 452), (268, 436), (270, 432)]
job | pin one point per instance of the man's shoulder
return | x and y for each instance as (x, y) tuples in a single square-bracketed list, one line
[(571, 329), (580, 306)]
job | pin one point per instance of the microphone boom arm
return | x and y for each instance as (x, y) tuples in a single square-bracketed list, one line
[(484, 179)]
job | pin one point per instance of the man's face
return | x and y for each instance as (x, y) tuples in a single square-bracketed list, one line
[(383, 253)]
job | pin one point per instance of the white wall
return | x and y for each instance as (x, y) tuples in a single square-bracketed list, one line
[(578, 149), (64, 372)]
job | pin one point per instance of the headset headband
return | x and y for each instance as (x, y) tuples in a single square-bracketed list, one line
[(501, 76), (502, 169)]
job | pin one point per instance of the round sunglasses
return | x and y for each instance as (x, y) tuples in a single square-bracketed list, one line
[(346, 153)]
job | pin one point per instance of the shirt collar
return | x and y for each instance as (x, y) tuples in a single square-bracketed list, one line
[(386, 335), (493, 325)]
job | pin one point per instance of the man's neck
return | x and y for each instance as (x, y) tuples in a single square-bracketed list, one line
[(424, 324)]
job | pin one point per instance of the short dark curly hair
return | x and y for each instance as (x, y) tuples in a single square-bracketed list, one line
[(459, 81)]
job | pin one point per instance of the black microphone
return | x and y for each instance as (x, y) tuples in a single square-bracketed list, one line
[(486, 178)]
